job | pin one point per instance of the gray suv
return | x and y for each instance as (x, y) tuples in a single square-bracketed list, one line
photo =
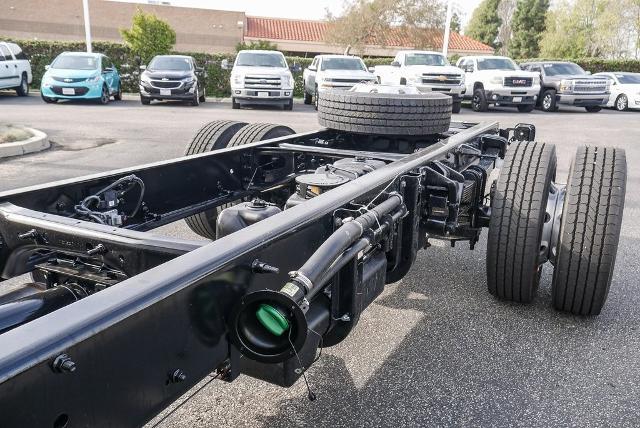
[(563, 82)]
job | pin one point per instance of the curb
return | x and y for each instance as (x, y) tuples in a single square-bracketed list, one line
[(37, 143)]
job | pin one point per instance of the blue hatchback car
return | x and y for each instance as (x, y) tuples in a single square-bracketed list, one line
[(81, 75)]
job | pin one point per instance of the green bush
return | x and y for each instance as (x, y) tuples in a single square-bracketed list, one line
[(596, 65), (42, 53)]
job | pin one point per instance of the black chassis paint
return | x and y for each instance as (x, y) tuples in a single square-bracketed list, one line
[(128, 340)]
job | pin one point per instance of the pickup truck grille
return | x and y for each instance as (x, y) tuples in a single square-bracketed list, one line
[(589, 86), (262, 82), (166, 84), (354, 81), (441, 79), (518, 82)]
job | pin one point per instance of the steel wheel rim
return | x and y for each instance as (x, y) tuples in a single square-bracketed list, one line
[(546, 102), (476, 102), (622, 102), (24, 85)]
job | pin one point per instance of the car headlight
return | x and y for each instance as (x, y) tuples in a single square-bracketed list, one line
[(496, 80), (144, 78), (188, 79), (566, 85), (461, 77), (94, 79), (237, 79), (287, 80), (536, 80)]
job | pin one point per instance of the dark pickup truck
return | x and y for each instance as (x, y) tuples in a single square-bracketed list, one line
[(563, 82), (115, 323)]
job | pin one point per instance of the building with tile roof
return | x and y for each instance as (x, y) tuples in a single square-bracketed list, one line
[(198, 30), (309, 37)]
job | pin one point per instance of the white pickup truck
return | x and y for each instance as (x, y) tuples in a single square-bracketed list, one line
[(498, 80), (15, 69), (333, 72), (427, 71), (261, 77)]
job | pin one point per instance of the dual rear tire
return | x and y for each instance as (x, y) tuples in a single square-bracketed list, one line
[(218, 135), (589, 229)]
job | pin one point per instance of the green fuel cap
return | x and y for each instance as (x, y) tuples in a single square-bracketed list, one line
[(272, 319)]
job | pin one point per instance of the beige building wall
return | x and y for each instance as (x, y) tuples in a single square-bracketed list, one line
[(197, 30)]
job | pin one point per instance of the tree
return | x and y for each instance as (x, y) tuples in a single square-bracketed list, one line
[(455, 22), (149, 36), (376, 22), (505, 11), (582, 28), (528, 26), (485, 23), (263, 45)]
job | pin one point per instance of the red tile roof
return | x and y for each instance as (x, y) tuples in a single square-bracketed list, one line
[(314, 31)]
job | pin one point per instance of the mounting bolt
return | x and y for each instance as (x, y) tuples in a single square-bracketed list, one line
[(29, 234), (64, 364), (177, 376), (261, 267), (98, 249)]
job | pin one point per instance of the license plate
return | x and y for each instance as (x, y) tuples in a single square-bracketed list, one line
[(68, 91), (517, 99), (263, 94), (165, 91)]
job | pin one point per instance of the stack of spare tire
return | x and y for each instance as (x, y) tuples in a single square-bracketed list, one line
[(385, 112)]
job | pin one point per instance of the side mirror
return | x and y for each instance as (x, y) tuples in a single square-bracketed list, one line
[(224, 64), (199, 69), (469, 69), (310, 68), (143, 67), (395, 64), (588, 72), (107, 70), (46, 67), (295, 68), (371, 69)]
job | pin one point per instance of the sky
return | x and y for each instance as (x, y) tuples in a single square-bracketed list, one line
[(297, 9)]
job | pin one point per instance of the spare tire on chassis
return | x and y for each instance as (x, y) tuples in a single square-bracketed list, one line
[(221, 134), (385, 110)]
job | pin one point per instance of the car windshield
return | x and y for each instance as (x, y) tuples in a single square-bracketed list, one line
[(629, 79), (170, 63), (255, 59), (496, 64), (562, 68), (76, 62), (342, 64), (425, 59)]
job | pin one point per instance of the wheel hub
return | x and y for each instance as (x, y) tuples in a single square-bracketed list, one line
[(552, 220)]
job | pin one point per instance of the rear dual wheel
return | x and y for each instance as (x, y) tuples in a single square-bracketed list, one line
[(518, 209), (221, 134), (590, 230), (582, 246)]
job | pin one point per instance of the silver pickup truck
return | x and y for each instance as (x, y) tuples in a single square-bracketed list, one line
[(563, 82)]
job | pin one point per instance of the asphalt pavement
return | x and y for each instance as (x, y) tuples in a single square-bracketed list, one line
[(436, 349)]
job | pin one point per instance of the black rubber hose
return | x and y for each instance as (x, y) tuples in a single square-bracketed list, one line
[(343, 238)]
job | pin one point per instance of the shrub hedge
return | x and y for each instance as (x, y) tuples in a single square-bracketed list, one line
[(597, 65), (42, 52)]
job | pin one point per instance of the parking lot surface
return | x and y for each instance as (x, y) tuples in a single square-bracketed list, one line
[(455, 356)]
